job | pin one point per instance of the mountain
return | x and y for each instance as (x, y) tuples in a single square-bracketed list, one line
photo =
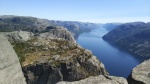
[(31, 24), (75, 27), (48, 52), (134, 37), (111, 26), (15, 23), (50, 60)]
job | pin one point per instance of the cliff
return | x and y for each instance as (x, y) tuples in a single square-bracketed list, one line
[(49, 54), (47, 61), (99, 80), (133, 37), (140, 74), (56, 32), (18, 35), (10, 69), (52, 32)]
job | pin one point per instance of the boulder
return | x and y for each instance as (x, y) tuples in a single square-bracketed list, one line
[(140, 74), (10, 69)]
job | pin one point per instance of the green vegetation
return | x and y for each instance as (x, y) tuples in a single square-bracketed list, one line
[(23, 48), (35, 48)]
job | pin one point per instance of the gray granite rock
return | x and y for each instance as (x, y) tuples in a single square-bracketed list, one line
[(99, 80), (10, 69), (140, 74), (58, 32), (18, 35)]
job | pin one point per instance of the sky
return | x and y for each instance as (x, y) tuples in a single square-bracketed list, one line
[(97, 11)]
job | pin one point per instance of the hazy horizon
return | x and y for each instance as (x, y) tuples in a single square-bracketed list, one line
[(95, 11)]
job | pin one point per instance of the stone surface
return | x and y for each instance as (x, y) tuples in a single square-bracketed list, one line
[(54, 33), (58, 32), (140, 74), (52, 60), (10, 69), (99, 80), (18, 35)]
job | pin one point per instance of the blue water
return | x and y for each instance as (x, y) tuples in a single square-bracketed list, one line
[(117, 61)]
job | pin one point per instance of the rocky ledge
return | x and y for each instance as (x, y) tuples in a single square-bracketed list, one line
[(10, 69), (140, 74), (47, 60), (101, 79), (51, 32)]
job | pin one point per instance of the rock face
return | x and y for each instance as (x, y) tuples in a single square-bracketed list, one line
[(18, 35), (47, 61), (140, 74), (99, 80), (57, 32), (76, 28), (52, 33), (10, 69), (133, 37)]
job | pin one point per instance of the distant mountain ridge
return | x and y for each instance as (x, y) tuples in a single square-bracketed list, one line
[(76, 27), (36, 25), (134, 37), (111, 26)]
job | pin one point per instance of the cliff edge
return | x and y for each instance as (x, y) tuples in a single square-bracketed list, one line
[(101, 79), (140, 74)]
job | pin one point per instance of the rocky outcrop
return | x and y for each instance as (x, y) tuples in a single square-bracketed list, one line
[(63, 70), (47, 61), (51, 32), (18, 35), (101, 79), (10, 69), (57, 32), (140, 74)]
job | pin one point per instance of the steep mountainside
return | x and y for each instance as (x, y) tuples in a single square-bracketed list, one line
[(75, 27), (36, 25), (111, 26), (10, 69), (48, 53), (15, 23), (140, 74), (134, 37)]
